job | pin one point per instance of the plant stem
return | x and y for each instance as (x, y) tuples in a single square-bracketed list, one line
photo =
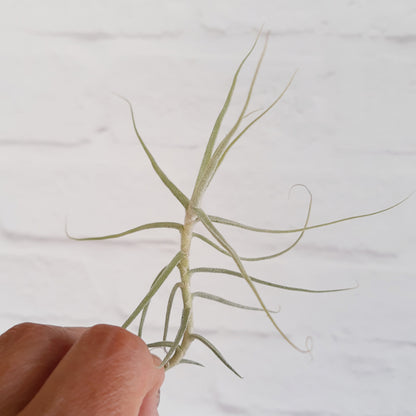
[(183, 266)]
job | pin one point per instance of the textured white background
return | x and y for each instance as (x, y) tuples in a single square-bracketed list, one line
[(346, 128)]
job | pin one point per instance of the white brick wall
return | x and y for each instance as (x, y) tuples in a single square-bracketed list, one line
[(346, 129)]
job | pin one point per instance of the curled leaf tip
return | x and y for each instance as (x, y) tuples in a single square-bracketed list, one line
[(298, 185)]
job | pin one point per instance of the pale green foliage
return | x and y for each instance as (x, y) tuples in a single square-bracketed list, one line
[(212, 159)]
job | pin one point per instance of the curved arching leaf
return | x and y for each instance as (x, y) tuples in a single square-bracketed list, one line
[(215, 351), (180, 196), (186, 313), (145, 309), (219, 237), (227, 302), (155, 287), (264, 282), (232, 223), (211, 142), (169, 308), (152, 225)]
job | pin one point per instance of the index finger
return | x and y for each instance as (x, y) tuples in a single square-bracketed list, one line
[(29, 353), (107, 371)]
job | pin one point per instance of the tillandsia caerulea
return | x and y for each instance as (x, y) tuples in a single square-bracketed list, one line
[(176, 348)]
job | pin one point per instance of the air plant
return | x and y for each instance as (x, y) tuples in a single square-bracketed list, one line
[(176, 348)]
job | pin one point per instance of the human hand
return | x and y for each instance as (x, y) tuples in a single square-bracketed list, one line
[(56, 371)]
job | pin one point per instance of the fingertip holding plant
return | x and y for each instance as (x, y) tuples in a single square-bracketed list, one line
[(176, 349)]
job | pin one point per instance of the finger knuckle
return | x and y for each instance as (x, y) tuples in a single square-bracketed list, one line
[(36, 336), (115, 341), (30, 331)]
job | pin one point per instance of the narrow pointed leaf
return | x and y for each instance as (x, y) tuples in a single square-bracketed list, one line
[(243, 258), (215, 351), (227, 302), (264, 282), (186, 361), (142, 320), (211, 142), (300, 235), (209, 242), (145, 309), (210, 170), (186, 313), (224, 153), (160, 344), (155, 287), (222, 146), (169, 308), (219, 237), (153, 225), (251, 112), (232, 223), (180, 196), (270, 256)]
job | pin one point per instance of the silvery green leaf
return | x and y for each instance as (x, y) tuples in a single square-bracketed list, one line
[(156, 285), (145, 309), (180, 196), (211, 142), (153, 225), (264, 282), (215, 351), (186, 313), (227, 302), (169, 308), (186, 361), (219, 237), (226, 221)]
